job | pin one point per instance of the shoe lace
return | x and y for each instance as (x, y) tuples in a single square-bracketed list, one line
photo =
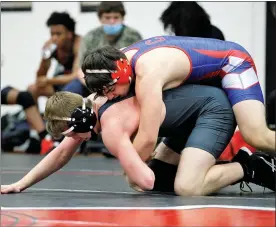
[(242, 185)]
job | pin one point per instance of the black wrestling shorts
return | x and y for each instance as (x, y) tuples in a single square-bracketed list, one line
[(198, 116)]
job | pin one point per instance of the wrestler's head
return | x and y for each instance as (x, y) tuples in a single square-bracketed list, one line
[(107, 72), (62, 28), (69, 114)]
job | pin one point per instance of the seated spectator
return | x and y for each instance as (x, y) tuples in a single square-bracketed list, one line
[(62, 46), (112, 31)]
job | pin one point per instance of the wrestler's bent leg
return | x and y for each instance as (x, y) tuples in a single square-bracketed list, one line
[(250, 116), (243, 89), (197, 173)]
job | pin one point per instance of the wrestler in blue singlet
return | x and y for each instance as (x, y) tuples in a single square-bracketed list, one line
[(211, 58)]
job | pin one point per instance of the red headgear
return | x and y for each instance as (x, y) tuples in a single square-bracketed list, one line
[(122, 75)]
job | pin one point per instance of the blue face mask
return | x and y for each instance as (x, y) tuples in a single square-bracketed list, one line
[(112, 29)]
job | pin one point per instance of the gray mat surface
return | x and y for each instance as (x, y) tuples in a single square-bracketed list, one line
[(98, 182)]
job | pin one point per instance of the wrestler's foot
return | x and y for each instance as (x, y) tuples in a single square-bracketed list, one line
[(263, 170), (242, 157), (259, 168)]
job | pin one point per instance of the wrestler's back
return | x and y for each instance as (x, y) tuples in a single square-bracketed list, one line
[(125, 112), (189, 58)]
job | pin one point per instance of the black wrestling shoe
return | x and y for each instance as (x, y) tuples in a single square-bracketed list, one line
[(263, 170), (243, 157), (259, 168)]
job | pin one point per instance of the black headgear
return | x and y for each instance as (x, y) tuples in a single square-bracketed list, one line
[(83, 119)]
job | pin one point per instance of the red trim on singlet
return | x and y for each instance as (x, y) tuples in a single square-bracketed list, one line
[(130, 50), (209, 75)]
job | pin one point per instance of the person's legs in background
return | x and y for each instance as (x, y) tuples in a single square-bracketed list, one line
[(11, 96), (40, 91)]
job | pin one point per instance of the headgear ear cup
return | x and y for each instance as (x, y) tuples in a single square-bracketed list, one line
[(83, 119), (123, 72)]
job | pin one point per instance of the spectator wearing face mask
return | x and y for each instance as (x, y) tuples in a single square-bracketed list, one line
[(112, 32)]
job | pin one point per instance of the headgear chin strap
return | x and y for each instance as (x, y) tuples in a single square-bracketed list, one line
[(122, 75), (83, 119)]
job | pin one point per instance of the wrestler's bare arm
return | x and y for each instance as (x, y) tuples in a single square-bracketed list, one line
[(54, 161), (149, 96), (117, 140)]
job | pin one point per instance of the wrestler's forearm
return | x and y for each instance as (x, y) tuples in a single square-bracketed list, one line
[(150, 119), (54, 161), (137, 171), (119, 144), (144, 148)]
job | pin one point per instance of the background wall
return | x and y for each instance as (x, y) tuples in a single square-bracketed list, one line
[(23, 33)]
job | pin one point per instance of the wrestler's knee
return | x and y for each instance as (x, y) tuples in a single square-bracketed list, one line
[(187, 188)]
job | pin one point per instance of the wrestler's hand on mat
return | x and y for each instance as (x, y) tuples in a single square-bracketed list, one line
[(132, 185), (12, 188)]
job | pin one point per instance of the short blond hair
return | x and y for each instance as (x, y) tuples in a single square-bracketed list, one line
[(58, 106)]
